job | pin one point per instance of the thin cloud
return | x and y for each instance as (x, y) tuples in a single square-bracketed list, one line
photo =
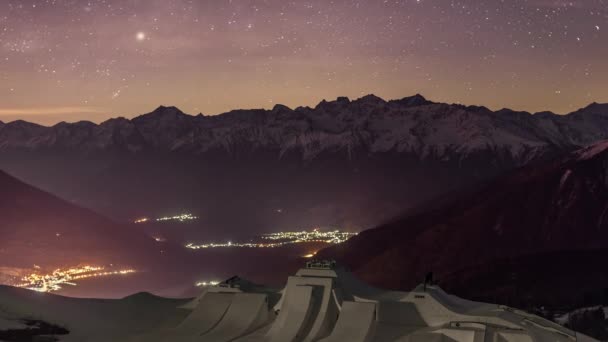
[(50, 110)]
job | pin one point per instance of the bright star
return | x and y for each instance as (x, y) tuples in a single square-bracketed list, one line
[(141, 36)]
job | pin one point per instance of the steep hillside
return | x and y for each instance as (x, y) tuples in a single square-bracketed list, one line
[(487, 240), (37, 228)]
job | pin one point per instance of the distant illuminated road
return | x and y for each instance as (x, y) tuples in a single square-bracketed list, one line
[(180, 218)]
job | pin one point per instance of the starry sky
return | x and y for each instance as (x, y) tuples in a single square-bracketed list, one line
[(91, 60)]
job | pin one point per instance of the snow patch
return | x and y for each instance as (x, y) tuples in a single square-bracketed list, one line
[(593, 150), (564, 178)]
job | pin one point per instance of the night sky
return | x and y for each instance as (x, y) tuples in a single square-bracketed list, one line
[(72, 60)]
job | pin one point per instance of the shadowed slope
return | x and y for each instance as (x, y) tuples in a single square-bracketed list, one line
[(558, 208), (39, 228)]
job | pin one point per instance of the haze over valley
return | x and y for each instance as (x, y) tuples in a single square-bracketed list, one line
[(284, 168)]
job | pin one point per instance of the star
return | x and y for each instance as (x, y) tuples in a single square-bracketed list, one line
[(383, 47), (140, 36)]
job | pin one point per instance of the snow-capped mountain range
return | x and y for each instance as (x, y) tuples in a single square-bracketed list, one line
[(366, 125), (348, 163)]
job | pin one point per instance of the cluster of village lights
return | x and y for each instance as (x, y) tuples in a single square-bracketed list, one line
[(53, 281), (333, 237), (283, 238), (207, 283), (180, 218)]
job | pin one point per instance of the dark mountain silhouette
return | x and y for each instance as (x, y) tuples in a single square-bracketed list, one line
[(537, 235), (39, 228), (348, 163)]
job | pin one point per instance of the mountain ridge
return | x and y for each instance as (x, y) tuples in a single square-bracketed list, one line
[(37, 227), (411, 124), (553, 208), (363, 158), (413, 100)]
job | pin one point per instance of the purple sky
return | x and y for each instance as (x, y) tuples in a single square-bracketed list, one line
[(72, 60)]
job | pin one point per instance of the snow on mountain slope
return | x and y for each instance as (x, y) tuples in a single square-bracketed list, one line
[(592, 151), (90, 319), (342, 162), (366, 125)]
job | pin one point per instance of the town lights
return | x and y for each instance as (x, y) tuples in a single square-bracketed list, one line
[(279, 239), (180, 218), (207, 283), (53, 281)]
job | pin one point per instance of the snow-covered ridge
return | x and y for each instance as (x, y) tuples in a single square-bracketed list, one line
[(369, 125)]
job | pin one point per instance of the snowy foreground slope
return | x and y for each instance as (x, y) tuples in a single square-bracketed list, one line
[(89, 319), (320, 303)]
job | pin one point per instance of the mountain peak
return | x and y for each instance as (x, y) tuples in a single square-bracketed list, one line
[(165, 110), (596, 108), (165, 113), (413, 101), (343, 99), (280, 108), (121, 120), (371, 98), (23, 124)]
